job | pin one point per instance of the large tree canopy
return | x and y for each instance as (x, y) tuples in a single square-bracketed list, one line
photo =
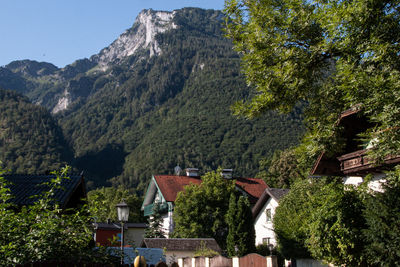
[(200, 210), (102, 203), (323, 220), (331, 54)]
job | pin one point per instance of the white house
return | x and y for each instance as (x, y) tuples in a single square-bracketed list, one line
[(164, 189), (263, 213)]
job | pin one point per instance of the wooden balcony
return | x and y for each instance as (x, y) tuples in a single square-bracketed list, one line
[(358, 163)]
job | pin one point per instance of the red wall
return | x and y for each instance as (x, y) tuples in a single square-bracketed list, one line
[(103, 237)]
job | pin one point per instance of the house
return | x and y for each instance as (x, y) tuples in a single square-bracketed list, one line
[(25, 188), (180, 247), (263, 213), (352, 163), (164, 189), (105, 233)]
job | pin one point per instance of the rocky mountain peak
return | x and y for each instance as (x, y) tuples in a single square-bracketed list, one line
[(31, 68), (141, 36)]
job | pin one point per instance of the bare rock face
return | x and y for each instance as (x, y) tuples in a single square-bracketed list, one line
[(62, 103), (141, 36)]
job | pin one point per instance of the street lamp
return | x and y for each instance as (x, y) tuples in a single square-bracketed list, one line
[(123, 215)]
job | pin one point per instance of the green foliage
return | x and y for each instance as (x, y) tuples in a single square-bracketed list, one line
[(335, 228), (200, 210), (241, 233), (204, 251), (322, 220), (43, 232), (333, 55), (155, 228), (382, 215), (30, 139), (102, 203), (283, 169), (291, 219)]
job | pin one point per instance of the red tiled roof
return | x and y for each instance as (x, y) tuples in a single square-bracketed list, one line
[(170, 185), (253, 186)]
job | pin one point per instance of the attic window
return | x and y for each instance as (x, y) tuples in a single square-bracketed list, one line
[(268, 215)]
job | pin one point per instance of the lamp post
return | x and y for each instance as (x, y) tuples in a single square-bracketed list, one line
[(123, 215)]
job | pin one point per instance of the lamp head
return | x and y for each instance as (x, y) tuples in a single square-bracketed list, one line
[(123, 211)]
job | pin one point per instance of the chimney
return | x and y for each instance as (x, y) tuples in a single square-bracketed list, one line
[(177, 170), (227, 173), (192, 172)]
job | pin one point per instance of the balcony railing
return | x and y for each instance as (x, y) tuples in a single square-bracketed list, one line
[(358, 162), (148, 210)]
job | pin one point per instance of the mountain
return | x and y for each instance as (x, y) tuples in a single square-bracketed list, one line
[(30, 139), (158, 96)]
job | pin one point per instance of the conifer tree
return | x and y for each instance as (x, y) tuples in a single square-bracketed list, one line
[(155, 229), (241, 236)]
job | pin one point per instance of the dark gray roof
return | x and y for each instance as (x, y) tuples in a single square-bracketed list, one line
[(24, 187), (275, 193), (181, 244), (116, 226)]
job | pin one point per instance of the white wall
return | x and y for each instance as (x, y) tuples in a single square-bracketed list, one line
[(263, 228), (168, 224), (375, 183), (134, 236)]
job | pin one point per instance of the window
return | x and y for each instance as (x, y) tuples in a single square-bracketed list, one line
[(266, 240), (268, 215)]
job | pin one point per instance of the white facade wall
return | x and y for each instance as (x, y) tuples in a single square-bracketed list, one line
[(134, 236), (375, 183), (263, 228), (168, 224)]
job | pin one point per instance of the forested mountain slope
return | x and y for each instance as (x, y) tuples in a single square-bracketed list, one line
[(158, 96), (30, 139)]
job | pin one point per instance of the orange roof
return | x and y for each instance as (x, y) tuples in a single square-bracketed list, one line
[(170, 185)]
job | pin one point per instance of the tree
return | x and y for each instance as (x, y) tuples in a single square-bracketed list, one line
[(155, 229), (331, 54), (336, 225), (291, 219), (382, 215), (43, 232), (102, 203), (282, 170), (200, 209), (322, 220), (241, 235)]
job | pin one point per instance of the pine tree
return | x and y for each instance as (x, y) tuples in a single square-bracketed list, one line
[(155, 229), (241, 236)]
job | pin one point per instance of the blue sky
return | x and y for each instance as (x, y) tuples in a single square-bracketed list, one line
[(62, 31)]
